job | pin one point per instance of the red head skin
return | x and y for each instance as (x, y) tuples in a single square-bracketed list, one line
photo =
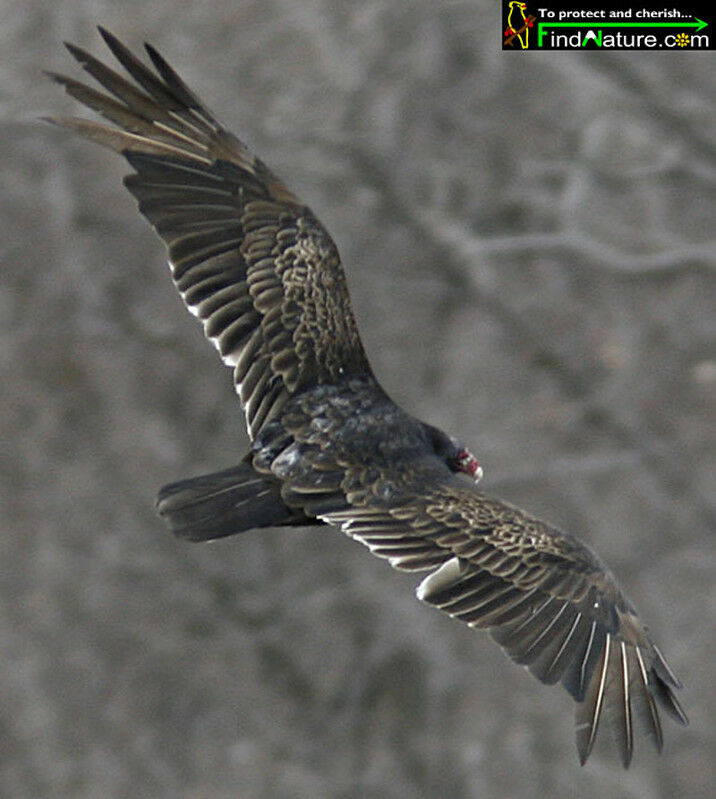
[(467, 463)]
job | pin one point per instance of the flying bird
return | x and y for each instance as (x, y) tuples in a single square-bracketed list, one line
[(328, 445)]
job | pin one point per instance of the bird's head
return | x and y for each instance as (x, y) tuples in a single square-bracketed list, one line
[(464, 461), (456, 455)]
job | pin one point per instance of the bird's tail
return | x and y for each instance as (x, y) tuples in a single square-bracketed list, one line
[(224, 503)]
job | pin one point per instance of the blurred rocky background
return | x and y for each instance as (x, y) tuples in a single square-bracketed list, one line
[(529, 245)]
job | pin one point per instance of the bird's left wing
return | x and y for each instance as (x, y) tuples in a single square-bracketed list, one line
[(545, 597), (248, 258)]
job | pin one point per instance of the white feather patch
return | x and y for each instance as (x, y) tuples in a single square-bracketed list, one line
[(447, 574), (193, 309)]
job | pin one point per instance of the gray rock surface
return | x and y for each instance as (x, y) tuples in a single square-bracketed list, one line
[(529, 244)]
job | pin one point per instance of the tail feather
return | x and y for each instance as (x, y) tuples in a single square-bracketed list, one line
[(224, 503)]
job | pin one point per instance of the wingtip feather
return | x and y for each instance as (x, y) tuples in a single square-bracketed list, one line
[(588, 712), (664, 670), (77, 52), (105, 34)]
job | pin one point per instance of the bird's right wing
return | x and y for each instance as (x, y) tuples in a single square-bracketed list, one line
[(544, 596), (248, 258)]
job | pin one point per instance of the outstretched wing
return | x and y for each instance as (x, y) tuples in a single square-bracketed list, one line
[(248, 258), (545, 597)]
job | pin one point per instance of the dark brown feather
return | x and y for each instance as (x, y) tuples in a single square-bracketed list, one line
[(564, 620), (250, 261)]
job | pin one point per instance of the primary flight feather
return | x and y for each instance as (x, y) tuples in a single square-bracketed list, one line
[(260, 271)]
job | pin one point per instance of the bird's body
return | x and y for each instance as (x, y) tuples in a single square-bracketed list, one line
[(262, 274)]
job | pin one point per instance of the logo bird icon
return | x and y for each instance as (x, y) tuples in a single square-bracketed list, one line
[(517, 22)]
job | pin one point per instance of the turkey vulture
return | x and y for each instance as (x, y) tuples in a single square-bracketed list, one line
[(328, 445)]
